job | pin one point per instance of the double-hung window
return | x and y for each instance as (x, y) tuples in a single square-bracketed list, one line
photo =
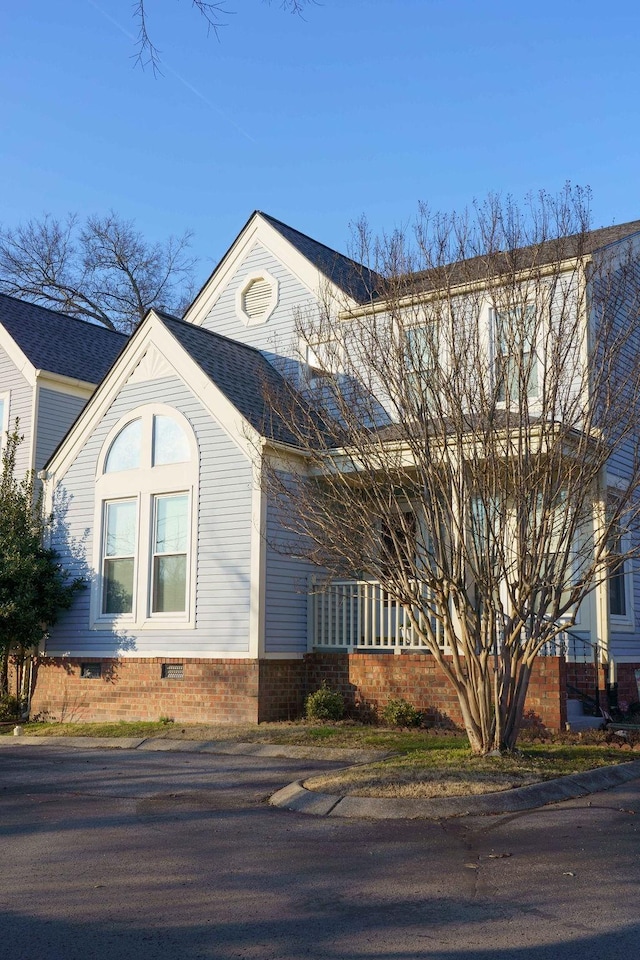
[(146, 508), (422, 358), (118, 565), (516, 358), (169, 563)]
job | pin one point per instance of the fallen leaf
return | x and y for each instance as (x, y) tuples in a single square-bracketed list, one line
[(568, 873), (497, 856)]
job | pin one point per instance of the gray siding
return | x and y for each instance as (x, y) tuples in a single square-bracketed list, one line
[(56, 413), (20, 405), (276, 338), (222, 559), (287, 580)]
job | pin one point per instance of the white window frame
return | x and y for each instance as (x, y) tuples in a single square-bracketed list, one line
[(499, 356), (314, 370), (624, 622), (145, 484), (5, 396)]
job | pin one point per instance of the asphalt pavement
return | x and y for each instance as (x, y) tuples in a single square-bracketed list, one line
[(167, 851)]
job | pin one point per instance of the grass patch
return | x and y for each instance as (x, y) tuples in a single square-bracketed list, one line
[(438, 771)]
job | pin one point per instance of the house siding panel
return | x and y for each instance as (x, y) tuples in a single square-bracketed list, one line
[(223, 555), (56, 413), (276, 338), (20, 406), (287, 579)]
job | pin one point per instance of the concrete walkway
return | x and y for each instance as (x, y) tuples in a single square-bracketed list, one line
[(296, 797)]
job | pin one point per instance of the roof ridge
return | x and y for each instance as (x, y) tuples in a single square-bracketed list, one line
[(319, 243)]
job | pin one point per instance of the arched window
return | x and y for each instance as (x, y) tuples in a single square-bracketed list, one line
[(147, 482)]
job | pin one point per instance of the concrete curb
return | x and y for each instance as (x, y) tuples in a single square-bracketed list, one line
[(296, 797)]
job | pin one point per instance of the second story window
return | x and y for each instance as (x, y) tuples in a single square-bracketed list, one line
[(516, 359)]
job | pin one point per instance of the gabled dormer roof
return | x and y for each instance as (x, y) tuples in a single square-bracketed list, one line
[(313, 263), (351, 277), (58, 344)]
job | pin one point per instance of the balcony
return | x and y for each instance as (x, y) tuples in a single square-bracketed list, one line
[(361, 615)]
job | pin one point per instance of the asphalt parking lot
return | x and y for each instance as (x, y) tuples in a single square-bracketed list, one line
[(118, 854)]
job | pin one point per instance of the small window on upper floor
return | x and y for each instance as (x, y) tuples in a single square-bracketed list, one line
[(516, 357)]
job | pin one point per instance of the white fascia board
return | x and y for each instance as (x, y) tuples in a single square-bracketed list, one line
[(260, 231), (19, 359), (61, 384), (153, 331)]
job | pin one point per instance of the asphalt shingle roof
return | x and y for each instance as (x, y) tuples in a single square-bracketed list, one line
[(245, 376), (59, 344), (353, 278), (523, 258)]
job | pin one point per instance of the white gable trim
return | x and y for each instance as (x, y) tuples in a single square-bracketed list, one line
[(17, 357), (154, 333), (260, 231)]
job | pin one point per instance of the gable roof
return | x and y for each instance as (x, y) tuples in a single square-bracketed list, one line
[(245, 377), (350, 276), (59, 344)]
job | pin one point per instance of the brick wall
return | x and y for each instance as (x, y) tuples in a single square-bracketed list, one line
[(211, 691), (373, 679), (282, 689), (226, 691)]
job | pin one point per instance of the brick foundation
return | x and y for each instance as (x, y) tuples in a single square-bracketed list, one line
[(211, 691), (228, 691), (372, 679)]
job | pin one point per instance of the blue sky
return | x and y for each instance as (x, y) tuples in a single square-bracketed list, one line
[(365, 106)]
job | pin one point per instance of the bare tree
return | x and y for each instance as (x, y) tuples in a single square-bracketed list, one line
[(101, 269), (215, 13), (475, 448)]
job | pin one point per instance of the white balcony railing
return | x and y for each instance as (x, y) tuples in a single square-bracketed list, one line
[(361, 614)]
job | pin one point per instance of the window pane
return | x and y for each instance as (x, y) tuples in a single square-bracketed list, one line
[(117, 595), (171, 532), (120, 540), (169, 584), (617, 599), (124, 453), (170, 443)]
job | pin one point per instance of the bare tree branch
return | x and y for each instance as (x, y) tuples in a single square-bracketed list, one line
[(215, 13), (102, 270)]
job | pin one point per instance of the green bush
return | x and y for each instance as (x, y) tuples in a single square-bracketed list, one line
[(324, 704), (9, 708), (399, 713)]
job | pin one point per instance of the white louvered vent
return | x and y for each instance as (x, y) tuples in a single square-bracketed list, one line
[(257, 298)]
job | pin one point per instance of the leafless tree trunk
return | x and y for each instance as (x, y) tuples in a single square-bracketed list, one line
[(475, 445)]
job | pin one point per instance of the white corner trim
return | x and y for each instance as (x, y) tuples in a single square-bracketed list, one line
[(258, 569)]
